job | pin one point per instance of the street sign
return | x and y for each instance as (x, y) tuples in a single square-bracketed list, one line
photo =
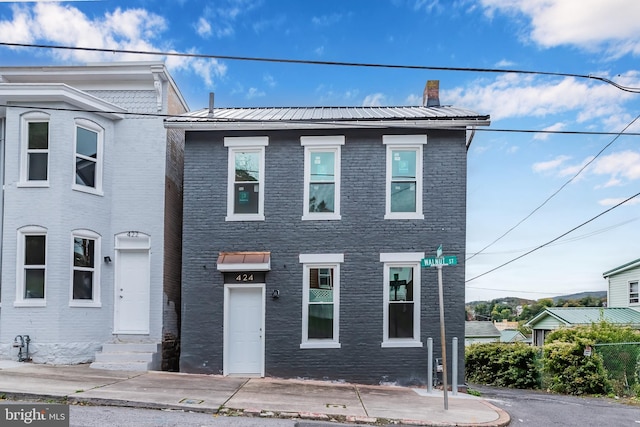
[(446, 260), (439, 251)]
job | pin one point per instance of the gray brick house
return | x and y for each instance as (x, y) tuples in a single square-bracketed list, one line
[(303, 233), (91, 214)]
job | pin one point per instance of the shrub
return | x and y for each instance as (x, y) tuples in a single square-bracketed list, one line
[(502, 365), (567, 370)]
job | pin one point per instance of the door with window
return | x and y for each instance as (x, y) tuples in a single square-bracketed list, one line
[(132, 284), (244, 330)]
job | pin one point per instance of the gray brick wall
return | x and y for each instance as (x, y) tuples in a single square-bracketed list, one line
[(361, 235)]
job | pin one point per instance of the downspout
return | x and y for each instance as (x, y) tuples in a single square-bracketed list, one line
[(470, 137)]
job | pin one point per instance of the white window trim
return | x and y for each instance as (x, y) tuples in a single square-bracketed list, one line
[(637, 283), (93, 127), (251, 144), (20, 300), (35, 116), (310, 261), (328, 144), (95, 301), (409, 142), (402, 259)]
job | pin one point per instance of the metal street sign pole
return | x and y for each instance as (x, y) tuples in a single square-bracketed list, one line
[(439, 261), (442, 337)]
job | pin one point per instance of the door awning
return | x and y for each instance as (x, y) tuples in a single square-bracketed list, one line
[(244, 261)]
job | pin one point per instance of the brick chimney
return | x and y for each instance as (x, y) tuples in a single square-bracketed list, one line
[(431, 94)]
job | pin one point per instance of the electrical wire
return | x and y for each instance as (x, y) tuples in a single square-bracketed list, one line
[(559, 189), (360, 123), (553, 240), (329, 63)]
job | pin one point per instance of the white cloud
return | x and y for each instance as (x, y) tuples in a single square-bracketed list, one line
[(269, 80), (612, 25), (121, 29), (614, 201), (517, 95), (553, 128), (374, 100), (254, 93), (203, 28), (622, 167), (326, 20), (550, 164)]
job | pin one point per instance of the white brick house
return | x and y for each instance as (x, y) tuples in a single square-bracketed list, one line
[(91, 211)]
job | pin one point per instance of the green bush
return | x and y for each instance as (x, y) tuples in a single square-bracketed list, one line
[(567, 370), (502, 365)]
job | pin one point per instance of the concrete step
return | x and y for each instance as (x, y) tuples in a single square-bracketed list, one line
[(128, 357)]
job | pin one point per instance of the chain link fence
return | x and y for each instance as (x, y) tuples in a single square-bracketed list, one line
[(622, 363)]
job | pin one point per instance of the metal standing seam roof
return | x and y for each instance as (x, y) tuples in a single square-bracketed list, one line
[(276, 116), (623, 267), (474, 328), (587, 315)]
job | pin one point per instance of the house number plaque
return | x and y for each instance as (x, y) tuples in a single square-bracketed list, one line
[(245, 277)]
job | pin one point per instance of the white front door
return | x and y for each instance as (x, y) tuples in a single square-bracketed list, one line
[(132, 287), (244, 330)]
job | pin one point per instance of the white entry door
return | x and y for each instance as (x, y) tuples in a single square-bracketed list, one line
[(132, 289), (244, 330)]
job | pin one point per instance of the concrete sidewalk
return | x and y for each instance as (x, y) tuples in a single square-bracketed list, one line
[(265, 397)]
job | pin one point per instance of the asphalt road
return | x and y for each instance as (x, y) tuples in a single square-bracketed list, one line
[(539, 408)]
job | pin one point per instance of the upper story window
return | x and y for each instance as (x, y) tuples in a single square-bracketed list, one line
[(321, 177), (633, 292), (32, 267), (404, 176), (88, 157), (245, 190), (34, 169), (401, 310), (321, 300), (85, 283)]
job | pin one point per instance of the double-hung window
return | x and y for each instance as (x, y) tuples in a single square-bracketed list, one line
[(633, 292), (32, 266), (245, 190), (85, 283), (88, 157), (321, 300), (35, 150), (321, 177), (404, 176), (401, 287)]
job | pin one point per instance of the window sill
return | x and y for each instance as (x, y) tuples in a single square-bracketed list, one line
[(319, 344), (246, 217), (33, 184), (91, 304), (401, 343), (403, 215), (25, 303), (87, 190), (322, 217)]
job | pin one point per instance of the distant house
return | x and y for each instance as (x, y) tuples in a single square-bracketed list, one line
[(568, 317), (91, 212), (480, 332), (505, 325), (623, 289), (511, 336), (304, 231)]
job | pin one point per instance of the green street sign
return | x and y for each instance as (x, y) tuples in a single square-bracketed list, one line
[(446, 260)]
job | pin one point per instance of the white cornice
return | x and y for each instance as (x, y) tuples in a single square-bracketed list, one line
[(58, 92)]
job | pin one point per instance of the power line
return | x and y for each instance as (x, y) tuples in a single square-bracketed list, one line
[(361, 123), (558, 190), (553, 240), (328, 63)]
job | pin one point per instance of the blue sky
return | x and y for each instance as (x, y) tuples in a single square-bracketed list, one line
[(510, 174)]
